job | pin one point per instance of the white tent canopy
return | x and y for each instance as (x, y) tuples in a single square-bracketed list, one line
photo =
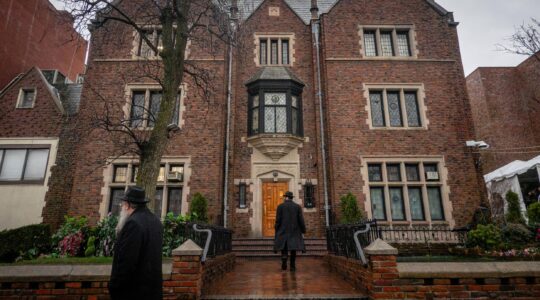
[(512, 169)]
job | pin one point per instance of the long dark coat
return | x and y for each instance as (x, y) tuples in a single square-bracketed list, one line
[(289, 227), (136, 270)]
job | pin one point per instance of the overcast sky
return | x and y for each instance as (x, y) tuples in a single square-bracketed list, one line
[(483, 24)]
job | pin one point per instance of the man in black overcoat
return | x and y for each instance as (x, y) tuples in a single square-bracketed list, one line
[(289, 229), (136, 270)]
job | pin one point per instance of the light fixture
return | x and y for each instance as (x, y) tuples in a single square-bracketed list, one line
[(477, 144)]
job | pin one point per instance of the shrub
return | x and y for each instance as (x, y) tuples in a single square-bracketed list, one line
[(27, 241), (199, 208), (516, 236), (71, 244), (349, 209), (71, 234), (533, 213), (90, 247), (174, 232), (487, 237), (106, 235), (514, 213)]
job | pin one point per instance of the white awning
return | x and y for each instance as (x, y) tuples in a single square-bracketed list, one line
[(514, 168)]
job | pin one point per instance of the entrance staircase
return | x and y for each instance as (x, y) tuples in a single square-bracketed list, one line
[(255, 248)]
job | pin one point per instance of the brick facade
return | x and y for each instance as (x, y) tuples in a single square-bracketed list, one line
[(505, 103), (34, 33)]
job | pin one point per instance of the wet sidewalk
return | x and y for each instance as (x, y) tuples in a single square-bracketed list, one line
[(263, 279)]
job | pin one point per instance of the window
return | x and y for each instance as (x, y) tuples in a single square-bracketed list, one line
[(242, 195), (23, 165), (168, 191), (401, 190), (279, 112), (387, 41), (145, 105), (396, 107), (155, 37), (27, 97), (274, 49)]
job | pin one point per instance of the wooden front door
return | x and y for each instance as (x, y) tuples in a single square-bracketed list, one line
[(272, 197)]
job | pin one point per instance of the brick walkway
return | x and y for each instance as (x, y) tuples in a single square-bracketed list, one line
[(263, 279)]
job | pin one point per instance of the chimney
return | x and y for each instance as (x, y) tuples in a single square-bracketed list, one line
[(314, 10)]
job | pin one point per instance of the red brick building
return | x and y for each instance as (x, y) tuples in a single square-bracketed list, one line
[(505, 102), (35, 33), (327, 98)]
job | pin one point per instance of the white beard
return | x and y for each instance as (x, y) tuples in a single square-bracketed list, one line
[(124, 215)]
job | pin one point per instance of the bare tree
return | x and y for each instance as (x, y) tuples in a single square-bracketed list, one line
[(205, 22), (525, 41)]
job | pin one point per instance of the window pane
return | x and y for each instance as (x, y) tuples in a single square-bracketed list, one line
[(36, 163), (255, 121), (394, 172), (435, 203), (175, 201), (155, 103), (403, 43), (269, 119), (159, 42), (281, 119), (161, 176), (114, 201), (158, 202), (285, 52), (134, 172), (12, 167), (377, 109), (176, 113), (386, 43), (398, 209), (432, 173), (28, 98), (120, 173), (294, 120), (263, 52), (394, 109), (137, 109), (274, 52), (294, 101), (275, 99), (377, 203), (412, 172), (415, 201), (413, 114), (375, 172), (256, 101), (370, 44), (144, 49)]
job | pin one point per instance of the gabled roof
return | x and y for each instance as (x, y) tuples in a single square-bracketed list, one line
[(274, 73)]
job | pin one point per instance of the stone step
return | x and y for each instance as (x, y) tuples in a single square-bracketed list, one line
[(285, 297), (271, 248), (271, 242)]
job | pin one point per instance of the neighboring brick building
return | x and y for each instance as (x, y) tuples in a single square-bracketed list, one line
[(395, 118), (505, 103), (35, 33)]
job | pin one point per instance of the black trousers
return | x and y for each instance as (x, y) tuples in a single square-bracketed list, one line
[(284, 255)]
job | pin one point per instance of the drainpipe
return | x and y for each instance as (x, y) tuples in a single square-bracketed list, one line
[(315, 29), (234, 14)]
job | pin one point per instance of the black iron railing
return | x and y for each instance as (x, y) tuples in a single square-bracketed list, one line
[(220, 238), (423, 234), (340, 238)]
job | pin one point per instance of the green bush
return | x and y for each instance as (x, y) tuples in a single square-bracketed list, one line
[(487, 237), (199, 208), (516, 236), (533, 213), (514, 212), (106, 235), (349, 210), (174, 232), (26, 242), (70, 235), (90, 247)]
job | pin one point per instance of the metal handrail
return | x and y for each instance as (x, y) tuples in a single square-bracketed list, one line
[(208, 239), (358, 246)]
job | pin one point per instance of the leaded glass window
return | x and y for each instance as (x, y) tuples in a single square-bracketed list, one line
[(155, 104), (377, 109), (394, 109), (174, 202), (396, 198), (263, 50), (386, 43), (274, 51), (375, 172), (114, 201), (145, 106), (416, 203), (137, 109), (120, 173), (285, 52), (377, 203), (435, 203), (294, 114), (394, 172), (370, 43), (413, 174), (413, 113), (403, 43), (255, 115), (275, 113)]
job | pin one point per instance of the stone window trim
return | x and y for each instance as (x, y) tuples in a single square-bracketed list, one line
[(402, 88), (26, 147), (442, 183), (136, 45), (149, 87), (413, 45), (130, 162), (20, 97), (277, 36)]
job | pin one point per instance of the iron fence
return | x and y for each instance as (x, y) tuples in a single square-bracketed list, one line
[(340, 238), (214, 240), (423, 234)]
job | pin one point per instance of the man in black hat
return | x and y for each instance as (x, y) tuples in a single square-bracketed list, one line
[(136, 270), (289, 229)]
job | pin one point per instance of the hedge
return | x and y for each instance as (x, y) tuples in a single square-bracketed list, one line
[(20, 241)]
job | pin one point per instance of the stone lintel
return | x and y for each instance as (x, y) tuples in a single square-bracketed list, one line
[(188, 248), (380, 247)]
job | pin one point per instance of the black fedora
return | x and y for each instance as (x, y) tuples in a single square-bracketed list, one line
[(134, 194), (289, 195)]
